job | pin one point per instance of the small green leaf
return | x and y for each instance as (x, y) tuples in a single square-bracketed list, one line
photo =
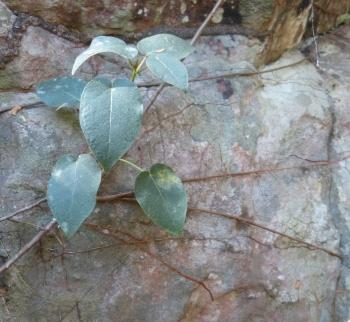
[(343, 20), (72, 191), (162, 196), (170, 44), (102, 45), (168, 69), (110, 117), (61, 92)]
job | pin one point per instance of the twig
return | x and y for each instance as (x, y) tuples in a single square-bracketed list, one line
[(206, 21), (26, 106), (125, 195), (136, 241), (197, 79), (128, 196), (28, 246), (105, 198), (253, 223), (36, 203), (227, 75), (266, 170), (193, 41)]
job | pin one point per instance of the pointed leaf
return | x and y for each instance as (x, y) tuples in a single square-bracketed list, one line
[(162, 197), (170, 44), (105, 44), (110, 117), (61, 92), (168, 69), (72, 191)]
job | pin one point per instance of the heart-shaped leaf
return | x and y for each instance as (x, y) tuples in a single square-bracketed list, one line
[(61, 92), (168, 69), (72, 189), (110, 117), (105, 44), (170, 44), (162, 196)]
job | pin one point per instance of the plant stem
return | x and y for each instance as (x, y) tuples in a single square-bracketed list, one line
[(132, 164), (193, 41), (133, 74), (28, 246), (136, 70)]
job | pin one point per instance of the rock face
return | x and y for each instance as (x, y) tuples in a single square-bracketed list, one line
[(282, 23), (290, 118), (335, 62), (125, 17)]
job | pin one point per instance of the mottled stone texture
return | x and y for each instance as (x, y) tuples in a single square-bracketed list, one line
[(126, 16), (290, 117), (283, 23)]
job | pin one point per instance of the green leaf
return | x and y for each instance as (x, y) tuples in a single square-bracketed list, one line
[(72, 191), (170, 44), (162, 196), (168, 69), (61, 92), (110, 117), (343, 19), (102, 45)]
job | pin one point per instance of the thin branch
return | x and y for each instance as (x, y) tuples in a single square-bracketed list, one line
[(127, 194), (83, 251), (103, 198), (226, 75), (253, 223), (154, 97), (196, 79), (19, 211), (113, 197), (135, 240), (193, 41), (266, 170), (206, 21), (28, 246)]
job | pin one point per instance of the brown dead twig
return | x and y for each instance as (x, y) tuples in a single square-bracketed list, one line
[(253, 172), (197, 79), (255, 224), (28, 246), (138, 242), (313, 164), (229, 75), (19, 211)]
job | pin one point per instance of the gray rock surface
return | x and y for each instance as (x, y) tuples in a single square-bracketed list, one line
[(335, 68), (292, 117)]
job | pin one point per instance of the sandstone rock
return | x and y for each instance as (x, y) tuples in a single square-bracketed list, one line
[(126, 17), (52, 33), (335, 68), (43, 55), (277, 119)]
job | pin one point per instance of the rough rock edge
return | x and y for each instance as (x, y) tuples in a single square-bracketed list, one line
[(10, 49)]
